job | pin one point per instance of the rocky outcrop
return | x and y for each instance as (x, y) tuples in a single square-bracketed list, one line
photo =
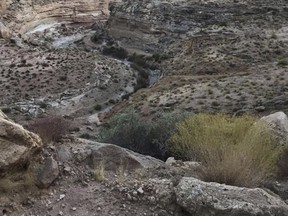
[(28, 14), (48, 173), (112, 157), (17, 145), (148, 24), (5, 33), (202, 199), (278, 122), (2, 7)]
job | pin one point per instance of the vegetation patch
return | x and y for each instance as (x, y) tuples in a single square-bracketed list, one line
[(233, 150), (283, 62), (116, 52), (50, 129), (98, 107), (148, 137)]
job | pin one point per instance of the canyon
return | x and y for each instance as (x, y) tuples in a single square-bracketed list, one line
[(87, 61), (226, 55), (24, 15)]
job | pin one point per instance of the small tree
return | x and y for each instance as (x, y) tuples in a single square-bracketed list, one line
[(50, 129), (149, 137)]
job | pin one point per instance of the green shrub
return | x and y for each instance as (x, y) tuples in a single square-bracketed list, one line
[(142, 79), (140, 60), (116, 52), (86, 136), (159, 58), (98, 107), (6, 110), (215, 103), (233, 151), (130, 131), (143, 61), (283, 62)]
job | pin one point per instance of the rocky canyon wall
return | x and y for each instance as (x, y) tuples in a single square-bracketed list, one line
[(152, 24), (23, 15)]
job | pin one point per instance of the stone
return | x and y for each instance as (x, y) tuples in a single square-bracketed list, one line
[(140, 190), (134, 193), (112, 157), (278, 122), (41, 12), (18, 146), (171, 161), (279, 188), (3, 6), (203, 198), (260, 108), (48, 173), (67, 169), (164, 193), (5, 33), (62, 196)]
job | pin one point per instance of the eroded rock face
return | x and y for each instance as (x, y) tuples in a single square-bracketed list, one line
[(28, 14), (154, 22), (4, 31), (148, 25), (17, 145), (202, 199)]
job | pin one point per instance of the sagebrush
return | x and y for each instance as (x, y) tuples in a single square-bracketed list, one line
[(233, 150), (50, 129)]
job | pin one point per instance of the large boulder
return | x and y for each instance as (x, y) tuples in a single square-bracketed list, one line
[(111, 156), (203, 199), (17, 145), (114, 157), (2, 7), (278, 122), (4, 31), (48, 173)]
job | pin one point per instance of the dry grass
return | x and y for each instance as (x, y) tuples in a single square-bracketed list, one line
[(100, 172), (139, 174), (121, 175), (234, 151), (17, 182)]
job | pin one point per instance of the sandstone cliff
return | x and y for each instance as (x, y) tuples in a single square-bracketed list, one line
[(24, 15)]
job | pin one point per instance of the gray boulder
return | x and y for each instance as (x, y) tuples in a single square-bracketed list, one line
[(111, 156), (17, 145), (214, 199), (5, 33), (48, 173), (114, 156), (278, 122)]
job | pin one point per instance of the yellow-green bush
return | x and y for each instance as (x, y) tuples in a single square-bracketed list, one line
[(233, 150)]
